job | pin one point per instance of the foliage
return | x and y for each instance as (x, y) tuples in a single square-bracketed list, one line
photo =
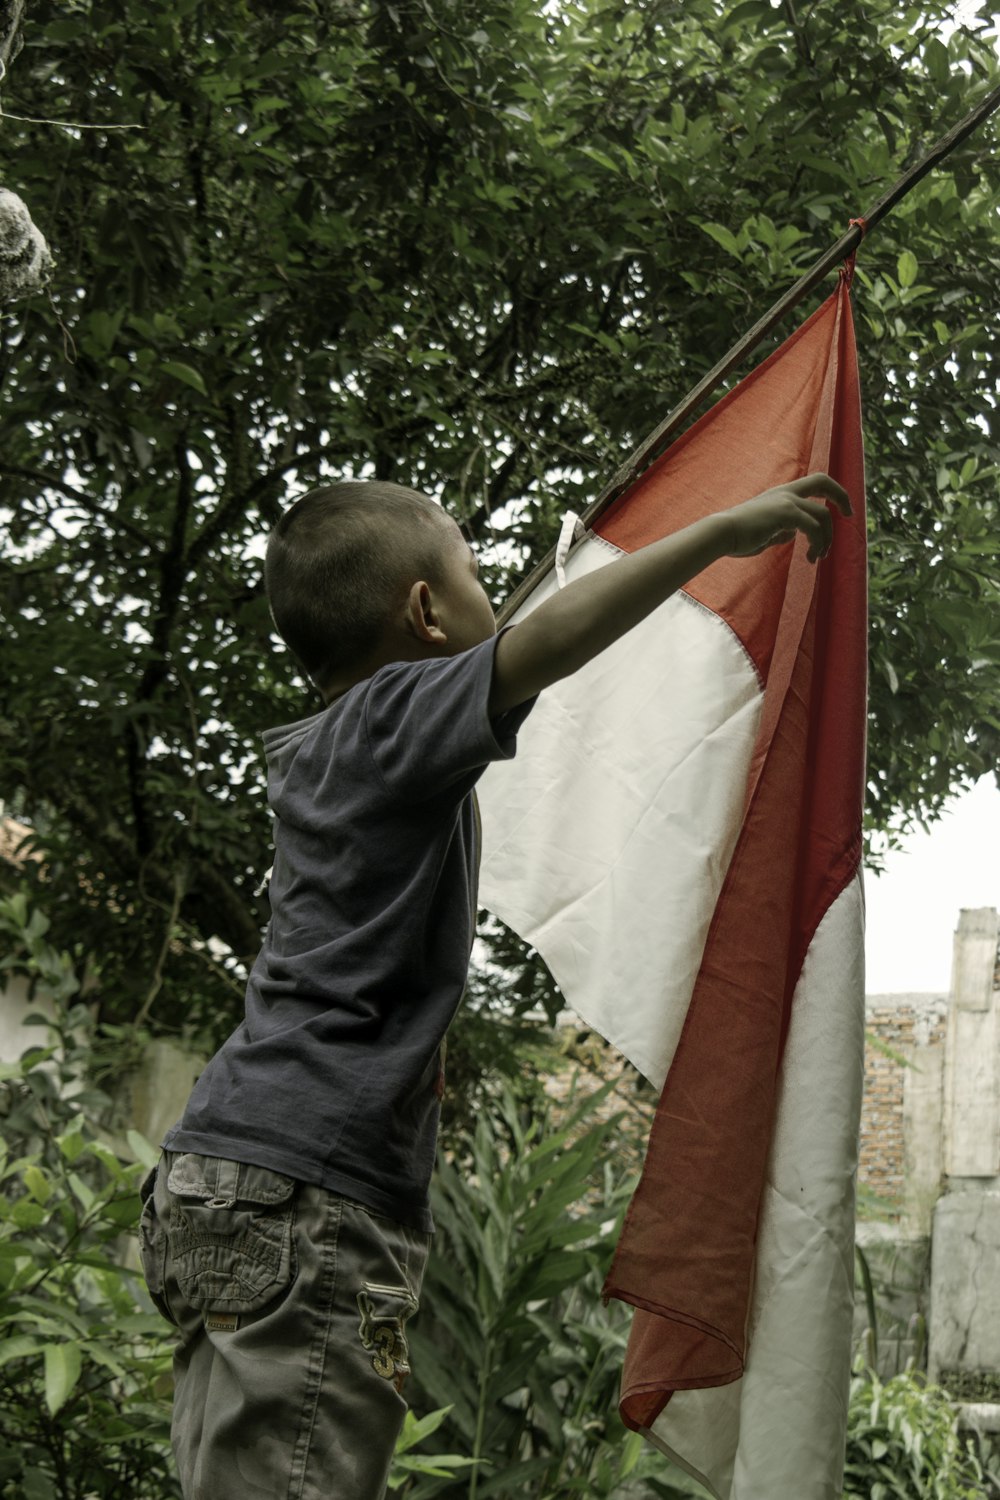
[(903, 1441), (83, 1360), (902, 1434), (512, 1335), (84, 1363), (516, 1360), (478, 247), (439, 1465), (492, 1035)]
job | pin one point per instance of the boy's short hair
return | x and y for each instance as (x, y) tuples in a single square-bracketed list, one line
[(338, 561)]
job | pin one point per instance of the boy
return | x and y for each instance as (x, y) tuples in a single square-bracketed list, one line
[(286, 1229)]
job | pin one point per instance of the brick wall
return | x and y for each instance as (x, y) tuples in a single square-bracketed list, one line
[(897, 1027)]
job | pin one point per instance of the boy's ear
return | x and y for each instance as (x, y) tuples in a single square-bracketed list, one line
[(422, 617)]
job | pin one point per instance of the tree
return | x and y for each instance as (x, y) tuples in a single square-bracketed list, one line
[(479, 247)]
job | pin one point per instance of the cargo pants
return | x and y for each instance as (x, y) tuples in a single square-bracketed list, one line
[(290, 1305)]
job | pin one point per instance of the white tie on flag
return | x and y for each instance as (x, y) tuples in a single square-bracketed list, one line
[(572, 530)]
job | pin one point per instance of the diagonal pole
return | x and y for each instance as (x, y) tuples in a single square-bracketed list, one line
[(657, 440)]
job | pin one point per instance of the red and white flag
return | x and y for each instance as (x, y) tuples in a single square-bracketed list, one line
[(680, 838)]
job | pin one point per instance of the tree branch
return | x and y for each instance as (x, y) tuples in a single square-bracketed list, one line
[(168, 933), (173, 574), (90, 505), (798, 31), (174, 571), (237, 504)]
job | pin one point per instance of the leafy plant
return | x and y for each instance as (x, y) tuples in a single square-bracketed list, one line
[(516, 1359), (84, 1364), (513, 1336), (405, 1462), (903, 1441), (84, 1361)]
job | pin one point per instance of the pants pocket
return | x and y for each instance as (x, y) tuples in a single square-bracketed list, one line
[(230, 1244), (385, 1311)]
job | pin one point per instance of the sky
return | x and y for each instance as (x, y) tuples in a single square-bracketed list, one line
[(913, 907)]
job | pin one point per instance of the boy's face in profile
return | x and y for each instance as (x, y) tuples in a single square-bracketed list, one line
[(466, 615)]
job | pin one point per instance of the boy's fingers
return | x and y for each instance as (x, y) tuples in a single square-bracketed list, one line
[(818, 511), (817, 523), (822, 484)]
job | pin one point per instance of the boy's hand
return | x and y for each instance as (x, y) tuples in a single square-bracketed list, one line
[(776, 515)]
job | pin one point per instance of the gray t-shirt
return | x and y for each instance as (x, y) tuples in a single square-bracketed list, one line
[(335, 1075)]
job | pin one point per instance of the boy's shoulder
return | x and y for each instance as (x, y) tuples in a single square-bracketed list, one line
[(414, 727), (385, 693)]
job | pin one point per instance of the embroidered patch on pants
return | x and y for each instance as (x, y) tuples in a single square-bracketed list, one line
[(220, 1322), (384, 1311)]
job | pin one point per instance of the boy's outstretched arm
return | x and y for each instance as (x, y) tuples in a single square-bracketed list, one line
[(576, 624)]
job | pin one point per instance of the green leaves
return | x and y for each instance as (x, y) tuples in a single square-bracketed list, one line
[(63, 1363), (82, 1356), (184, 373), (725, 238), (37, 1184), (437, 1465), (936, 60), (759, 236), (750, 12), (145, 1152), (906, 267), (512, 1311), (903, 1440)]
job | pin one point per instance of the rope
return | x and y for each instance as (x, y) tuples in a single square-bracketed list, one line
[(66, 124)]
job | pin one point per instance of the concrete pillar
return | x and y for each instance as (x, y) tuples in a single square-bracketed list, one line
[(965, 1286), (972, 1071), (923, 1116), (965, 1251), (152, 1096)]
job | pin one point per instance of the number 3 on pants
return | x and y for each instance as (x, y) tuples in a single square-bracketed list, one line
[(384, 1311)]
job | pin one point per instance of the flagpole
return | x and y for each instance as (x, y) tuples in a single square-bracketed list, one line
[(657, 440)]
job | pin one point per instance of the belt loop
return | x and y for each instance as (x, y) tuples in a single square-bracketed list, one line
[(227, 1181)]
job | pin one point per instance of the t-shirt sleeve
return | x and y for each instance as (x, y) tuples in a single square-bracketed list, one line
[(428, 724)]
